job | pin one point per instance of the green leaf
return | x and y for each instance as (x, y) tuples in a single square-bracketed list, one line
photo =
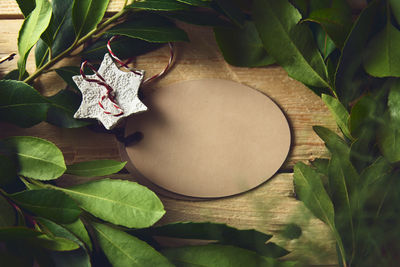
[(333, 142), (221, 233), (197, 17), (159, 5), (123, 249), (17, 233), (325, 44), (123, 47), (340, 114), (394, 102), (79, 230), (242, 46), (342, 183), (199, 3), (8, 169), (66, 74), (219, 256), (395, 6), (232, 11), (119, 202), (335, 20), (26, 6), (37, 158), (7, 213), (20, 104), (382, 56), (55, 243), (54, 230), (95, 168), (86, 14), (349, 82), (78, 257), (389, 141), (150, 28), (62, 108), (14, 75), (309, 189), (375, 172), (290, 43), (60, 32), (32, 28), (48, 203), (41, 53), (291, 231)]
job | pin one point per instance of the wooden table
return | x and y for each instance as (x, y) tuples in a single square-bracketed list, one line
[(266, 208)]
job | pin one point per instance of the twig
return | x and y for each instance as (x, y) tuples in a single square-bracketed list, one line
[(8, 58)]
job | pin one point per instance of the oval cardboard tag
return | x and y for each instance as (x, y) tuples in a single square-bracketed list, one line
[(208, 138)]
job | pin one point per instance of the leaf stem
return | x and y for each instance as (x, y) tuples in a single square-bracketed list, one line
[(75, 45)]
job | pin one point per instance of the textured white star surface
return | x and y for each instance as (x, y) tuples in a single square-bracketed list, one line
[(125, 86)]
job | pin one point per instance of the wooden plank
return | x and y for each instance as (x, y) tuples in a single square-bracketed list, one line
[(10, 9), (195, 60)]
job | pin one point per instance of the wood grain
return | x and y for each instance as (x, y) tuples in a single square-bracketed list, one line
[(267, 208), (10, 9)]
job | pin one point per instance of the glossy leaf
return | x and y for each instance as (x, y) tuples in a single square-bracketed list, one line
[(152, 28), (159, 5), (221, 233), (86, 14), (32, 28), (55, 243), (200, 3), (340, 114), (232, 11), (123, 249), (62, 108), (219, 256), (78, 257), (348, 79), (53, 229), (119, 202), (60, 32), (20, 104), (335, 21), (123, 47), (7, 213), (26, 6), (325, 44), (290, 43), (242, 46), (382, 56), (48, 203), (95, 168), (79, 230), (37, 158)]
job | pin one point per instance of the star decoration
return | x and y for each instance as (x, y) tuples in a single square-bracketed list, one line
[(125, 87)]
